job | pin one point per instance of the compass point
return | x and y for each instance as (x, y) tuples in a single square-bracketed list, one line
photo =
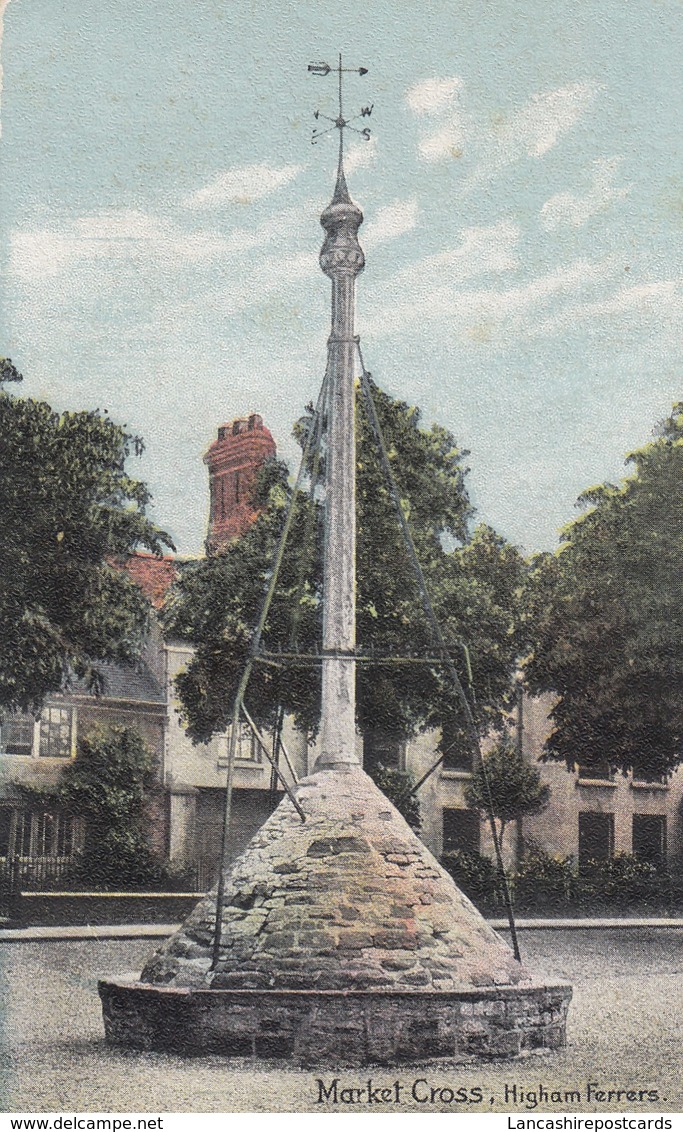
[(340, 122)]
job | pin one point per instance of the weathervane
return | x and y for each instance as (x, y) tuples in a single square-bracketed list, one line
[(340, 122)]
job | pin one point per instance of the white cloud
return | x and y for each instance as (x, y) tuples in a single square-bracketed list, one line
[(390, 222), (433, 95), (573, 278), (449, 141), (481, 251), (130, 235), (242, 186), (530, 130), (440, 97), (661, 300), (539, 125), (566, 208), (360, 155), (116, 235), (485, 313)]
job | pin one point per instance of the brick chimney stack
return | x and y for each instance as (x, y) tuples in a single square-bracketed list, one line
[(233, 460)]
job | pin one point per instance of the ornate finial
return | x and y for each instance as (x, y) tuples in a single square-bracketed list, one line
[(342, 218)]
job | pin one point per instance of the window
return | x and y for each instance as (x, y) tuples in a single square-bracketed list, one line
[(649, 838), (44, 835), (16, 734), (596, 837), (455, 747), (461, 830), (378, 747), (248, 748), (21, 842), (596, 771), (55, 732)]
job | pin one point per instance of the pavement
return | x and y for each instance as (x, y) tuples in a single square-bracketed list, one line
[(624, 1035), (44, 934)]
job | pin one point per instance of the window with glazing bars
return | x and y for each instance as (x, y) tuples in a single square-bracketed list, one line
[(55, 732)]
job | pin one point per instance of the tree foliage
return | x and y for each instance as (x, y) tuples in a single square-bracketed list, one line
[(107, 784), (215, 606), (475, 588), (398, 787), (604, 615), (69, 513), (514, 786)]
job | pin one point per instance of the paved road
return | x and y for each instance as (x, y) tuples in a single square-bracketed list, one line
[(625, 1032)]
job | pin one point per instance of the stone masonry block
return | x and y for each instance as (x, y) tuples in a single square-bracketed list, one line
[(406, 941), (315, 939), (399, 961), (355, 940)]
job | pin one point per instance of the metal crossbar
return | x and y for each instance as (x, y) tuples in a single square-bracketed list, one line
[(355, 657)]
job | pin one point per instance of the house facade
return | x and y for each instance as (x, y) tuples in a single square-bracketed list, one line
[(37, 842), (185, 810), (590, 814)]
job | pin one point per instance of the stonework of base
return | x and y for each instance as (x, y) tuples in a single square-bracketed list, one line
[(343, 942), (339, 1028)]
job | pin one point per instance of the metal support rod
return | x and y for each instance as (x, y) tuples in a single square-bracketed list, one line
[(275, 758), (428, 774), (303, 658), (227, 813), (436, 629), (520, 718), (431, 770), (264, 747), (281, 745), (313, 436)]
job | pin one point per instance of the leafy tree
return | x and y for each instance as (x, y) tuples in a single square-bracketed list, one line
[(108, 784), (514, 786), (216, 603), (475, 588), (69, 515), (397, 786), (475, 874), (8, 371), (604, 617)]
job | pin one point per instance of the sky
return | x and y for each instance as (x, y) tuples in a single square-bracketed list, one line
[(523, 200)]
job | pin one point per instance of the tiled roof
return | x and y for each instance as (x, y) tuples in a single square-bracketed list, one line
[(124, 682), (153, 575)]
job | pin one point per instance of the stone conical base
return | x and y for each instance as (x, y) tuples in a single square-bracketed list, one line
[(343, 941)]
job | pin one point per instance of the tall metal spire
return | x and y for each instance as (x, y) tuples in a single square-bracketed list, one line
[(342, 259)]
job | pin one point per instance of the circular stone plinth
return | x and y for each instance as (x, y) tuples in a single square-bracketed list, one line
[(340, 1028), (342, 941)]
